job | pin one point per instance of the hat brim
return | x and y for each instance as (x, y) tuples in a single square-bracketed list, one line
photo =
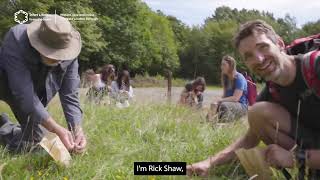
[(69, 53)]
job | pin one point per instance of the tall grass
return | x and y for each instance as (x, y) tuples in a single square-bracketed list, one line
[(119, 137)]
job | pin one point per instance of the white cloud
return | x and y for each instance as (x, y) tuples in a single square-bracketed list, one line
[(194, 12)]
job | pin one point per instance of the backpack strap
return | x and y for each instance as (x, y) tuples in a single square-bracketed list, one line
[(311, 72), (273, 91)]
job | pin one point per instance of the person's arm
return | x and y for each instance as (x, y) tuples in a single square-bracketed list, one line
[(247, 141), (240, 85), (277, 157), (235, 97), (69, 97), (202, 168), (183, 97), (313, 159), (66, 136)]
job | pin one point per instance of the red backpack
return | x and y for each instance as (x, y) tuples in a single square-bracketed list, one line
[(309, 48), (252, 90)]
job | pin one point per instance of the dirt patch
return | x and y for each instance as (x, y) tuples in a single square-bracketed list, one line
[(159, 95), (148, 95)]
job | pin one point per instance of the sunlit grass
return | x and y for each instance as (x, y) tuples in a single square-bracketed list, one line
[(119, 137)]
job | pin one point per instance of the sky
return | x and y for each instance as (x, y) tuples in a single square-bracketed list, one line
[(194, 12)]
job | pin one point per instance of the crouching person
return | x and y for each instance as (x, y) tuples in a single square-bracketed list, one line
[(286, 114), (121, 90), (192, 94), (37, 61), (234, 102)]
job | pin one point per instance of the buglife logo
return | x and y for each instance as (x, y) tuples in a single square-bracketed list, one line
[(21, 17)]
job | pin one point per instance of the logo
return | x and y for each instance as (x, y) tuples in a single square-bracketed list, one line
[(21, 17)]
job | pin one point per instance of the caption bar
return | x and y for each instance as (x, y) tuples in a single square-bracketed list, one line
[(160, 168)]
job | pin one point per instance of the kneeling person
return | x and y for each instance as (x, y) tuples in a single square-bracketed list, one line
[(285, 116), (192, 94), (38, 60), (234, 102)]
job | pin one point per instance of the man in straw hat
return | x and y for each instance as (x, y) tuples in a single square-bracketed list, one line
[(286, 117), (38, 60)]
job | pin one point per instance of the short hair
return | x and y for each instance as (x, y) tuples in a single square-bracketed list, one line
[(255, 26)]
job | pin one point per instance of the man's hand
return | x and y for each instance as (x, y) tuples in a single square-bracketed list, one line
[(80, 140), (277, 156), (66, 137), (200, 169)]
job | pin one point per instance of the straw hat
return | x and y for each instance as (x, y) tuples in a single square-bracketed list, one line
[(54, 37)]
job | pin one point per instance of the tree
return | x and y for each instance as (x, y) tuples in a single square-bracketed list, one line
[(310, 28)]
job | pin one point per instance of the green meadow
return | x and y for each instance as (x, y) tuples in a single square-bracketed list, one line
[(119, 137)]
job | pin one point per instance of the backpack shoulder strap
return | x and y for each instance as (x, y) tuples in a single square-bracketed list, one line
[(310, 66), (273, 91)]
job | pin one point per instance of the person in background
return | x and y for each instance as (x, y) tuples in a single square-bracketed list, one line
[(107, 75), (192, 94), (234, 102), (121, 90), (100, 84), (97, 87)]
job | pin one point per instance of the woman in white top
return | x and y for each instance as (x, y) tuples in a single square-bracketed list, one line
[(99, 83), (94, 79), (121, 89)]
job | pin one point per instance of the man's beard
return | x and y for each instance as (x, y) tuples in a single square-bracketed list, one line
[(273, 76)]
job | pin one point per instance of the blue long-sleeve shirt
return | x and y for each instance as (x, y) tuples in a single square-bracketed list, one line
[(33, 85)]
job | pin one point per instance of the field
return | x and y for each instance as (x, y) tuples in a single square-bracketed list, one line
[(149, 130)]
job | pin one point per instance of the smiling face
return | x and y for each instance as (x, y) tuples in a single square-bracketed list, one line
[(262, 56)]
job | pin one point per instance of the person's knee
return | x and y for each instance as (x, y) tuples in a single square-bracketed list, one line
[(266, 113), (259, 114), (223, 107)]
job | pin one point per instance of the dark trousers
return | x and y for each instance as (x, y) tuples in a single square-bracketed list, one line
[(17, 137)]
